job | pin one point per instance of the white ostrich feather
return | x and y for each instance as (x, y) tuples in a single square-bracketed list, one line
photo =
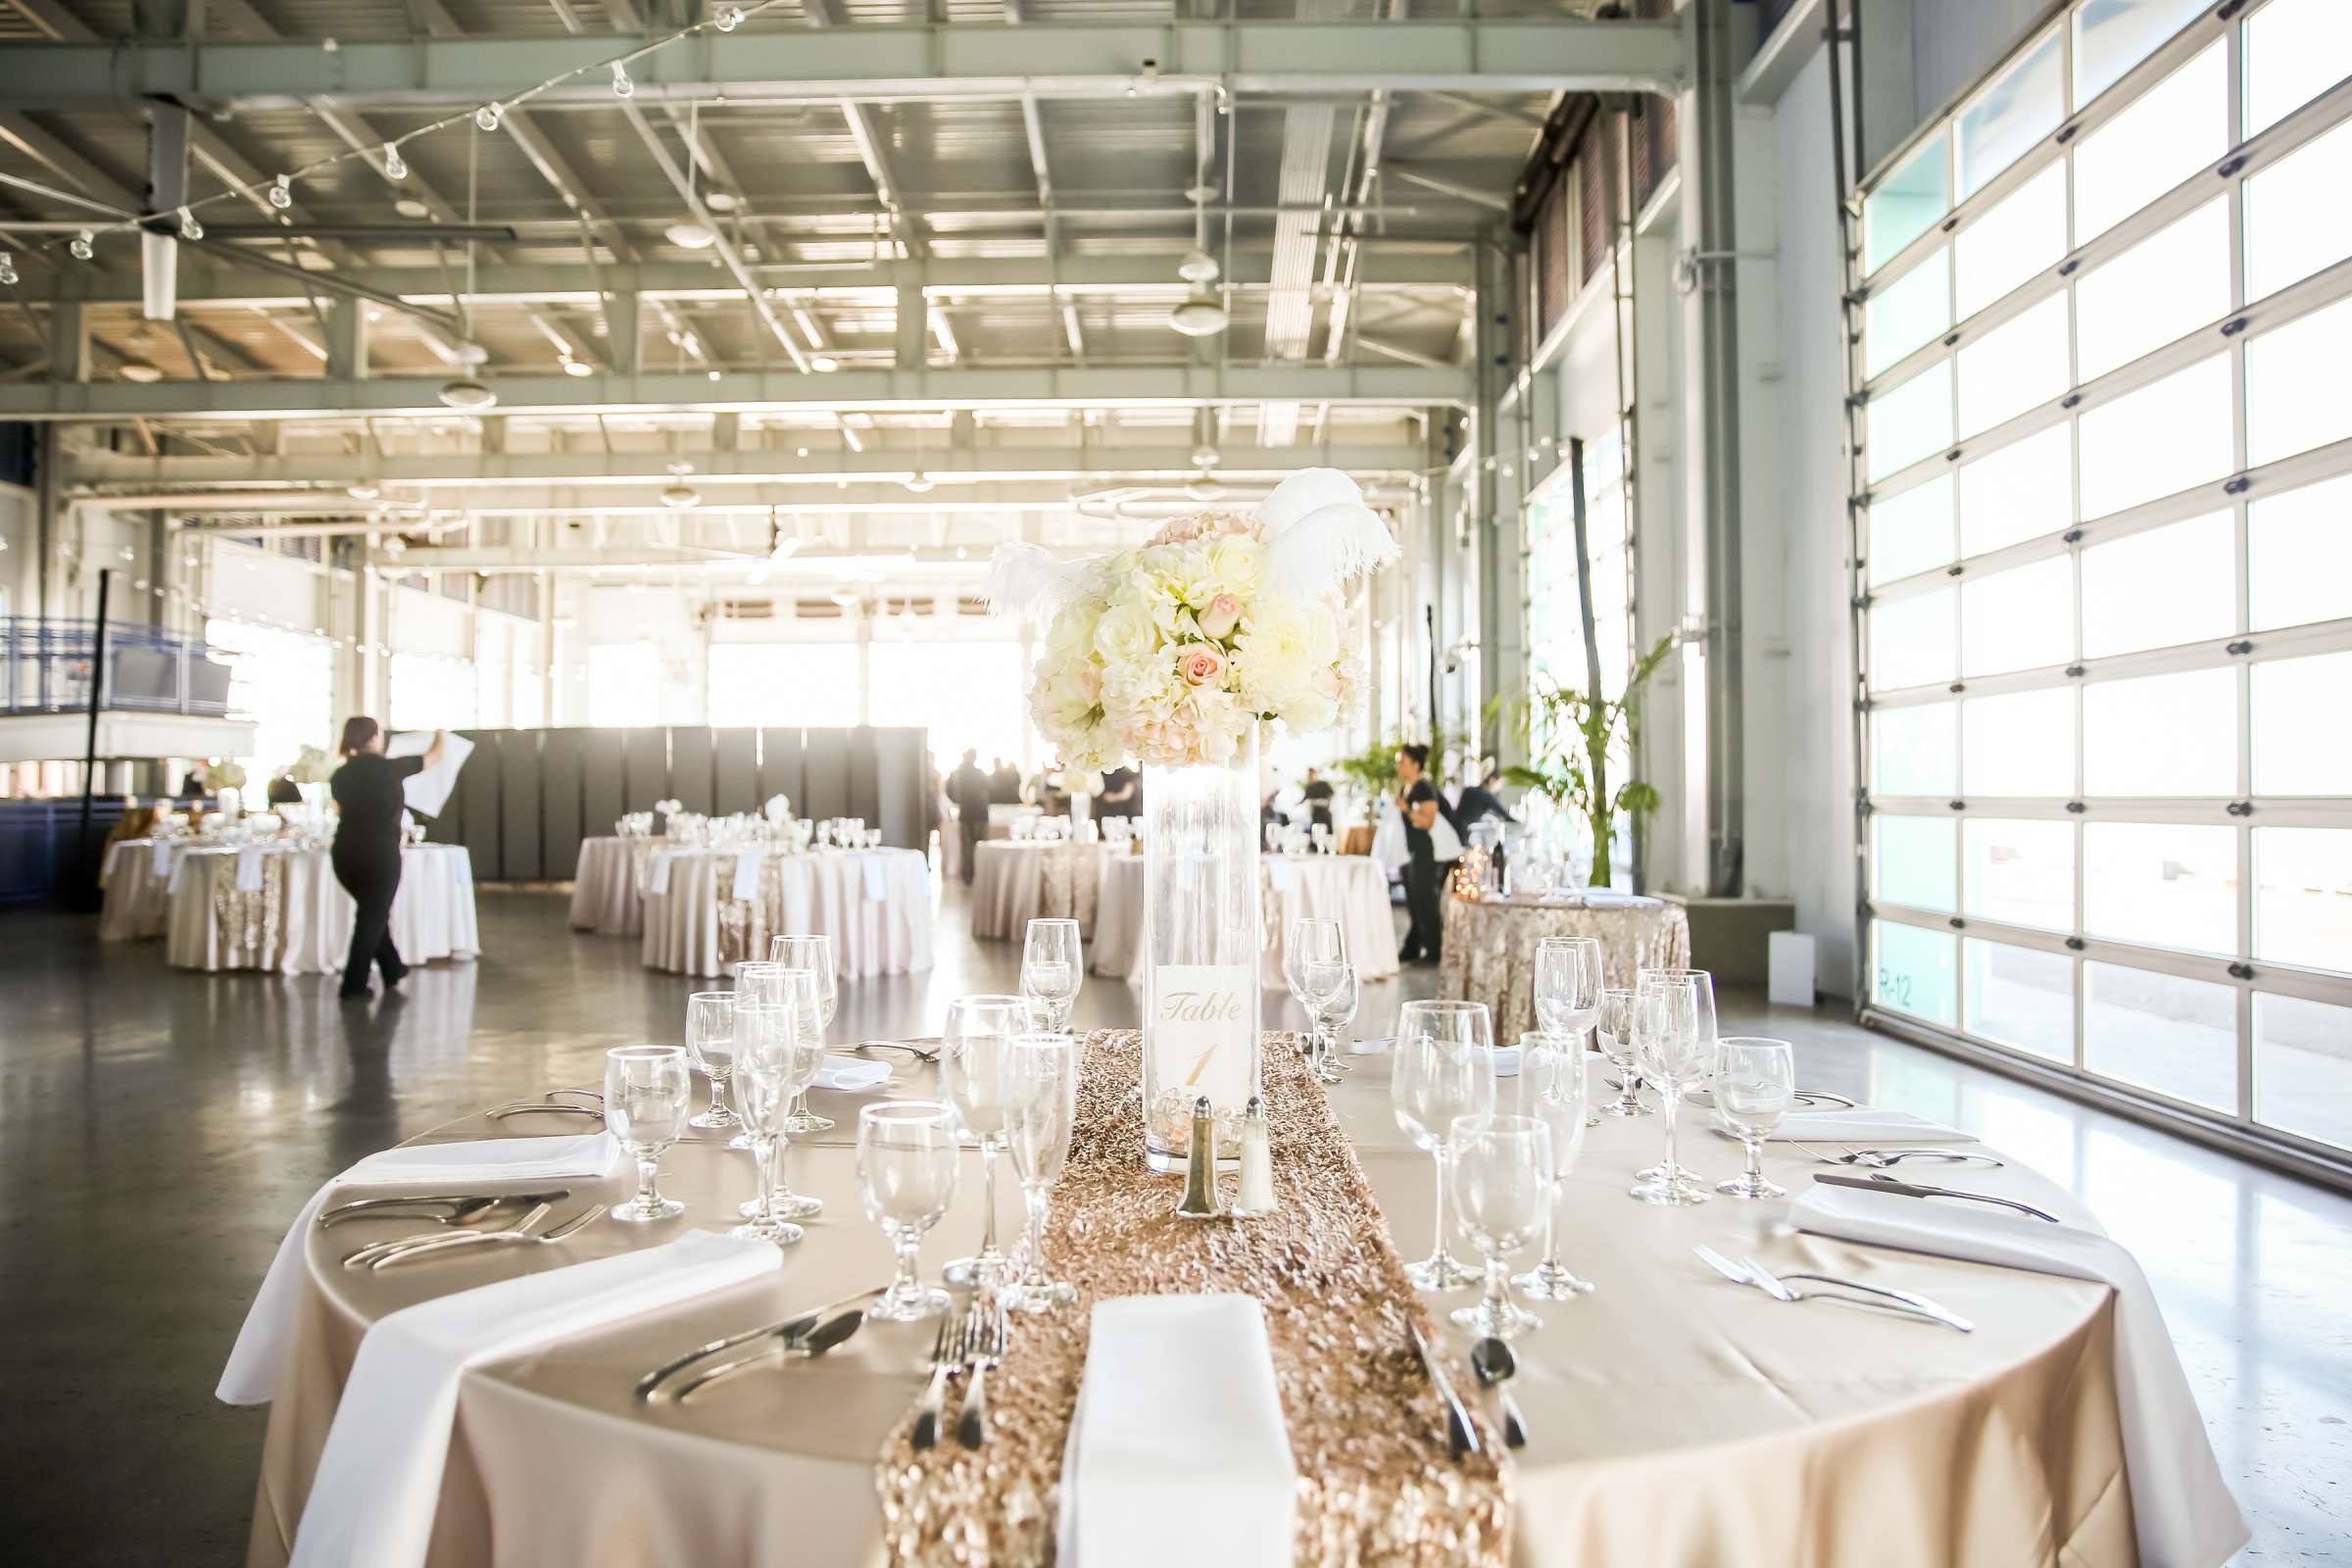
[(1028, 582), (1319, 534)]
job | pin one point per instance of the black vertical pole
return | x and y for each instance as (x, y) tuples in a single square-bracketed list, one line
[(86, 876)]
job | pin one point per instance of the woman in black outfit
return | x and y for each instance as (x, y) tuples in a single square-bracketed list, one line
[(367, 853)]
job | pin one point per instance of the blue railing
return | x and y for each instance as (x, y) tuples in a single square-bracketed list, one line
[(45, 668)]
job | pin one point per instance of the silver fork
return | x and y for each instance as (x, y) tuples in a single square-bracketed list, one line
[(520, 1235), (1880, 1159), (947, 1355), (1750, 1272), (366, 1256), (986, 1351), (916, 1052)]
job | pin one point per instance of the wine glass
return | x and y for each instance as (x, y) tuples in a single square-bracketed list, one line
[(646, 1100), (972, 1046), (816, 954), (760, 983), (1041, 1102), (1674, 1032), (1052, 967), (906, 1154), (1617, 1044), (1318, 944), (1755, 1084), (711, 1049), (779, 1049), (1442, 1067), (1568, 985), (1553, 1089), (1332, 995), (1503, 1173)]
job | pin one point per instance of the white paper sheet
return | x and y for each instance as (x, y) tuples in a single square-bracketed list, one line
[(428, 791)]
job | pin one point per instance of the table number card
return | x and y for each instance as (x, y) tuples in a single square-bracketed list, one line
[(1200, 1037)]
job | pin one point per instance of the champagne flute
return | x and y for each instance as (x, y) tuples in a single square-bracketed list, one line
[(1442, 1067), (972, 1046), (1553, 1089), (1617, 1044), (1755, 1084), (816, 954), (711, 1049), (1052, 967), (779, 1050), (907, 1155), (1503, 1168), (1673, 1028), (1041, 1102), (646, 1100)]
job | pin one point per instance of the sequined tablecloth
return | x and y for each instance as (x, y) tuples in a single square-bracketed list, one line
[(298, 920), (1491, 948)]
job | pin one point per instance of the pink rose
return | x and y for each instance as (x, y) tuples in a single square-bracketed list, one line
[(1220, 615), (1201, 666)]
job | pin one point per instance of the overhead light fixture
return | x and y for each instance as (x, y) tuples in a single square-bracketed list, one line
[(689, 235), (80, 247), (7, 271), (920, 482), (623, 86), (362, 491), (824, 364), (466, 395), (1201, 316), (1204, 489), (729, 18), (719, 200), (395, 167), (281, 193), (1205, 455), (573, 367), (141, 372), (1198, 268), (680, 495), (191, 230), (410, 207), (486, 117)]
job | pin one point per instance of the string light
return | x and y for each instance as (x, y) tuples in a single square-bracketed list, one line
[(81, 248), (729, 18), (395, 168), (623, 86), (191, 230), (7, 271), (486, 117)]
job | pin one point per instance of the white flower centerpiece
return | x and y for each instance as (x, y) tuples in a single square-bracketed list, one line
[(1172, 656)]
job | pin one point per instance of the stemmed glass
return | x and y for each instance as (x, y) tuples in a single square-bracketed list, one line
[(1553, 1090), (1052, 967), (647, 1096), (1444, 1068), (711, 1049), (1674, 1030), (1568, 985), (906, 1154), (1755, 1084), (778, 1048), (816, 954), (1332, 1002), (1041, 1102), (1503, 1169), (1617, 1044), (760, 983), (972, 1046), (1315, 964)]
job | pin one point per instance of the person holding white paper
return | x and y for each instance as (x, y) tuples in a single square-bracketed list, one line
[(367, 854)]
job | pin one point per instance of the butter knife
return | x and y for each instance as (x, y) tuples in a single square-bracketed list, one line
[(1882, 1183), (1462, 1432)]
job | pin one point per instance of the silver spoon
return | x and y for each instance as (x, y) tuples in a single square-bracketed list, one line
[(1494, 1363), (367, 1256), (816, 1342)]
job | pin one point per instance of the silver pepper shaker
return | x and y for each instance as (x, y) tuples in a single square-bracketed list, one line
[(1202, 1199), (1257, 1165)]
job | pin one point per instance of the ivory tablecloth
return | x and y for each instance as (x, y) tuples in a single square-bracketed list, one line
[(299, 921), (1017, 881), (1491, 947), (136, 877), (605, 889), (875, 904), (1350, 889), (1676, 1420)]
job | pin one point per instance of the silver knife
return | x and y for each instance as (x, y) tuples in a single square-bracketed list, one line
[(1882, 1183), (1462, 1432), (788, 1328), (461, 1205)]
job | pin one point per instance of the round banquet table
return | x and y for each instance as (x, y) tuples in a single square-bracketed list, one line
[(1351, 889), (874, 904), (606, 888), (281, 908), (1016, 881), (1675, 1420), (1490, 946), (136, 878)]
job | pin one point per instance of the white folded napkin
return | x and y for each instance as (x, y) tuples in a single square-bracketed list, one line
[(746, 875), (849, 1075), (249, 869), (158, 858), (1178, 1392), (2181, 1507), (1377, 1045), (371, 1502), (251, 1376), (876, 885), (1864, 1126), (656, 871)]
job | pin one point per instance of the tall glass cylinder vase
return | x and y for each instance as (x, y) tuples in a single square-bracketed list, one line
[(1202, 947)]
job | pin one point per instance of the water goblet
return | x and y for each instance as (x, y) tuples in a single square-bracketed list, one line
[(816, 954), (973, 1043), (778, 1050), (1673, 1028), (1314, 943), (1568, 985), (1618, 1046), (711, 1049), (1755, 1084), (1442, 1067), (1052, 967), (1330, 1001), (646, 1100), (1503, 1173), (1041, 1102), (1553, 1089), (907, 1157)]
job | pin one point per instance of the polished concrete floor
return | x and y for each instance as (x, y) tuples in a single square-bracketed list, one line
[(157, 1130)]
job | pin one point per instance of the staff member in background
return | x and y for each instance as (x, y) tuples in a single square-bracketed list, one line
[(1316, 792), (1430, 861), (967, 787), (367, 853)]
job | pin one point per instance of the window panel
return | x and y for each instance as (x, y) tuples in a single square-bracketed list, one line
[(2020, 998), (2167, 285), (1906, 203), (2162, 438), (2021, 362), (1912, 639), (2167, 134), (2020, 872), (2019, 618), (2301, 547), (2004, 121), (2303, 895), (1912, 421), (1913, 861), (2303, 1068), (2161, 735), (285, 683), (785, 683), (625, 685), (2298, 220), (1917, 749), (2302, 742), (2177, 1037), (1914, 310), (2295, 396), (2110, 36), (1913, 974), (431, 691), (2024, 232), (2295, 50), (2021, 492), (2170, 585), (1911, 533), (972, 693), (2167, 884), (2021, 745)]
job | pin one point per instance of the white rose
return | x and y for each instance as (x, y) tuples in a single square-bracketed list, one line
[(1072, 634), (1237, 565), (1125, 635)]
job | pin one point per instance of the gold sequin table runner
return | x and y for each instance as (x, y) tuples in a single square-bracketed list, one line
[(1366, 1430)]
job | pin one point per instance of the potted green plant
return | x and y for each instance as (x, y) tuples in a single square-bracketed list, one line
[(1569, 734)]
